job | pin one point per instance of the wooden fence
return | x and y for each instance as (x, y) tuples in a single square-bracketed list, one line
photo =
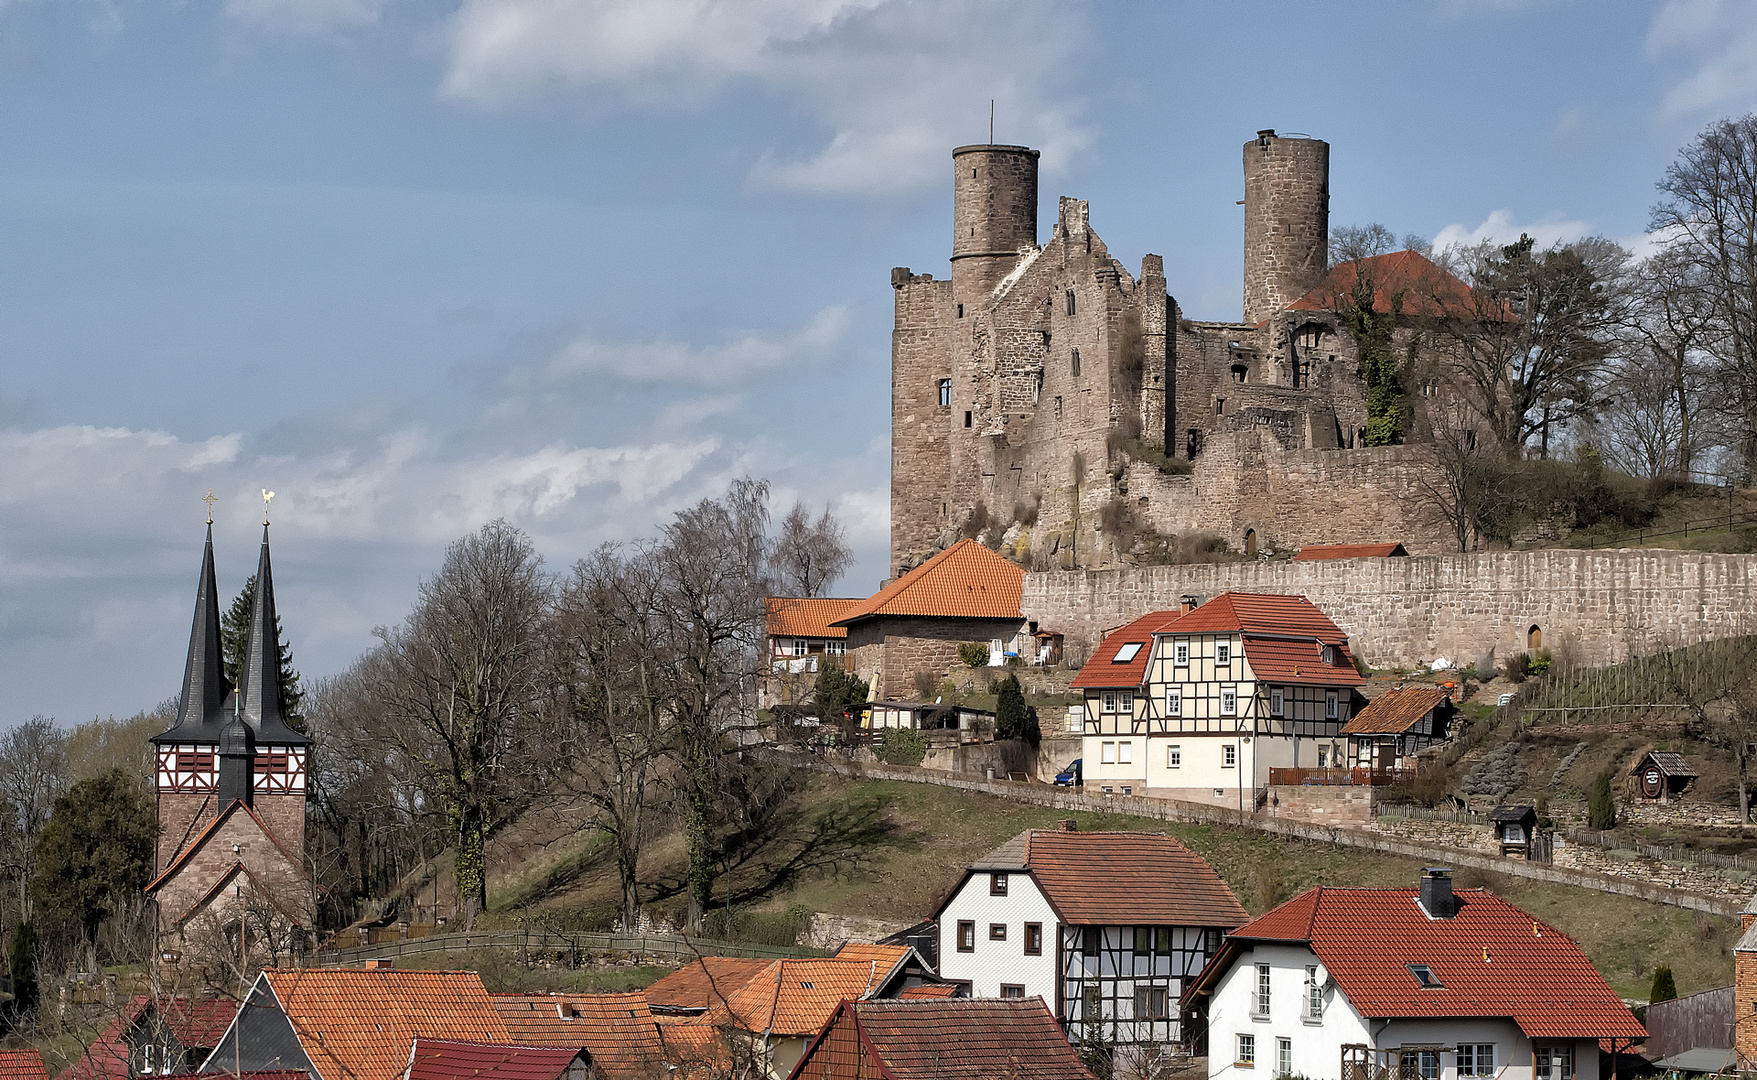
[(1332, 777), (570, 948)]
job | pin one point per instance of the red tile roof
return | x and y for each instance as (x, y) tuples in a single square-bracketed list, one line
[(928, 992), (22, 1065), (1395, 711), (247, 1074), (704, 982), (1349, 551), (446, 1059), (796, 997), (957, 1039), (616, 1029), (1424, 289), (888, 957), (965, 581), (357, 1025), (197, 1023), (1117, 878), (1281, 637), (1103, 670), (1491, 959), (808, 616)]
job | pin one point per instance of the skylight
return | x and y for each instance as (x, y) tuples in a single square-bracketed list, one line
[(1126, 653), (1424, 976)]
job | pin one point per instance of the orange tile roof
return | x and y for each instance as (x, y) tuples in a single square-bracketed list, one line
[(358, 1025), (449, 1059), (887, 956), (808, 616), (1348, 551), (703, 982), (617, 1029), (796, 997), (1103, 670), (965, 581), (22, 1065), (1281, 637), (1425, 289), (1491, 960), (1395, 711), (956, 1039), (1117, 878), (697, 1047), (929, 991)]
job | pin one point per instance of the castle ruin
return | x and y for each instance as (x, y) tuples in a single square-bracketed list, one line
[(1048, 400)]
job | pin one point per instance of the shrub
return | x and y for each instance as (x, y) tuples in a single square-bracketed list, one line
[(1539, 662), (1601, 808), (1517, 667), (973, 653), (1013, 719), (835, 690), (926, 683), (902, 746), (1544, 821), (1664, 987)]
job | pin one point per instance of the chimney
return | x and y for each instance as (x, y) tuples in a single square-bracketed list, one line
[(1189, 602), (1436, 892), (381, 963), (1069, 825)]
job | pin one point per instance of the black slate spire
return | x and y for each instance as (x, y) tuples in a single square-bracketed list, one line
[(201, 708), (260, 670)]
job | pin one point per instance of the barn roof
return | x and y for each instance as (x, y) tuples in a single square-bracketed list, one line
[(957, 1039), (1395, 711)]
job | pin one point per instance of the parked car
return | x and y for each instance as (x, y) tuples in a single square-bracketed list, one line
[(1070, 776)]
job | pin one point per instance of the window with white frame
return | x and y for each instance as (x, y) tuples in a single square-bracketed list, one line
[(1329, 704), (1125, 753), (1174, 757), (1246, 1057), (1260, 1003), (1107, 753), (1127, 704), (1228, 756), (1109, 701), (1314, 993), (836, 648), (1323, 757), (1275, 701), (1126, 653), (1180, 654), (1419, 1065), (1223, 653), (798, 646), (1283, 1057), (1228, 701), (1476, 1059), (1174, 701)]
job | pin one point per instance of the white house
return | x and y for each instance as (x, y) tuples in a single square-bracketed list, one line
[(1201, 704), (1105, 927), (1404, 984)]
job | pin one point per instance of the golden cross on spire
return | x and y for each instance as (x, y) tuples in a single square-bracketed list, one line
[(266, 496), (210, 498)]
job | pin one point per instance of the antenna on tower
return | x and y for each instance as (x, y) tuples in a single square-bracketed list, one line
[(991, 121)]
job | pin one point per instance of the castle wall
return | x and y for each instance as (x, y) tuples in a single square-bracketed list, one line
[(1287, 221), (1602, 606), (887, 652), (920, 426)]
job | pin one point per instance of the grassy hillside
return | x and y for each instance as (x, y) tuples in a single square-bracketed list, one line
[(919, 837)]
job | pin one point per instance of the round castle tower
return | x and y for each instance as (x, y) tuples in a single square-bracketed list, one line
[(1287, 220), (994, 214)]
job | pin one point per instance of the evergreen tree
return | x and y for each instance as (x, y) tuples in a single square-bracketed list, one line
[(835, 690), (21, 965), (235, 638), (1664, 988), (1013, 719), (1601, 808), (95, 854)]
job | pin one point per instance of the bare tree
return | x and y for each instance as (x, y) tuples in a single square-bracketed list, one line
[(1716, 683), (1461, 483), (1708, 217), (808, 556), (459, 692), (33, 774), (613, 664)]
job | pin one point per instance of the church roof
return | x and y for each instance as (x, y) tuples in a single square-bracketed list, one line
[(260, 677), (201, 705)]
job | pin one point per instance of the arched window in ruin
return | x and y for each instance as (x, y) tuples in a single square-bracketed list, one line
[(1250, 543), (1534, 638)]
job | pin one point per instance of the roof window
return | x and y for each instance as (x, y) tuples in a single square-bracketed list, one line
[(1126, 653), (1425, 977)]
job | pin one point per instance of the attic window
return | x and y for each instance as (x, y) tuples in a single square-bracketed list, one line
[(1425, 977), (806, 986), (1126, 653)]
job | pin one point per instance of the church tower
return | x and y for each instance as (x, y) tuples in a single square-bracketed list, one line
[(230, 784)]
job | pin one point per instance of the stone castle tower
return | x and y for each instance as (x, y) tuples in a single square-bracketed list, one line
[(1058, 406), (230, 781)]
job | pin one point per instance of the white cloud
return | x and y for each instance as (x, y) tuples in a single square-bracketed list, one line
[(729, 364), (1718, 38), (893, 84), (305, 17), (1500, 228)]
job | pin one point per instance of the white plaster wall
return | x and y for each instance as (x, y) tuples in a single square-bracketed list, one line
[(1098, 775), (997, 962)]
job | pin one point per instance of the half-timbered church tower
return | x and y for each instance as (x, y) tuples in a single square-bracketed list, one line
[(230, 783)]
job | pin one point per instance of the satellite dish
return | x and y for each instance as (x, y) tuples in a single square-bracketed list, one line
[(1322, 976)]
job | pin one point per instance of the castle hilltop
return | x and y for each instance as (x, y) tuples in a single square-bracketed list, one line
[(1048, 399)]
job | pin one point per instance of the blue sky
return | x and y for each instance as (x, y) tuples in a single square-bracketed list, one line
[(577, 263)]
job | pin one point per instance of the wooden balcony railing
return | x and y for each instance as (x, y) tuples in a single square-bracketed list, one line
[(1332, 777)]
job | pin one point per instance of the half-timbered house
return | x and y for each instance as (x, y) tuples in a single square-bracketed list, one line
[(1104, 926), (1201, 704)]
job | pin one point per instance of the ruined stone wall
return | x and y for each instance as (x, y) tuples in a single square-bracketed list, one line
[(920, 426), (1287, 221), (1601, 606)]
